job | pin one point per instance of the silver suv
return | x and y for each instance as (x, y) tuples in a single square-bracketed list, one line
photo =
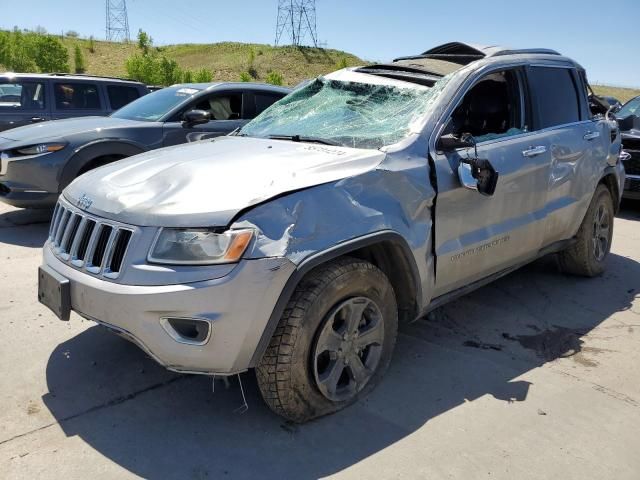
[(366, 198)]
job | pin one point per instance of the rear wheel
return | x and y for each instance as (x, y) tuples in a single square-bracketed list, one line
[(587, 256), (333, 343)]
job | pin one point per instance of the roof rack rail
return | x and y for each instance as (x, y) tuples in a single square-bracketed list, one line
[(465, 53), (63, 74)]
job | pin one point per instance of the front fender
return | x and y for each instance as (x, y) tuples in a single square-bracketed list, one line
[(318, 224)]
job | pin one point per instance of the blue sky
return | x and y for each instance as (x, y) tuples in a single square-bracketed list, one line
[(602, 36)]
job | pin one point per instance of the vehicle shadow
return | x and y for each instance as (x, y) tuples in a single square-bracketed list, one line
[(25, 228), (629, 209), (161, 425)]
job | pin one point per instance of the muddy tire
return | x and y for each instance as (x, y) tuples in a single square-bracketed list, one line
[(588, 255), (333, 343)]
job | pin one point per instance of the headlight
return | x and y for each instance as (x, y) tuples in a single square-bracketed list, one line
[(41, 148), (196, 246)]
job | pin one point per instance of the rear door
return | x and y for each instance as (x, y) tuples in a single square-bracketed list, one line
[(260, 101), (77, 99), (22, 102), (578, 146), (477, 235)]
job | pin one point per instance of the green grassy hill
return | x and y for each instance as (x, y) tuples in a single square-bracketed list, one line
[(228, 60)]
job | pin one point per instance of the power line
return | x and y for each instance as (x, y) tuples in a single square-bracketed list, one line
[(296, 21), (117, 28)]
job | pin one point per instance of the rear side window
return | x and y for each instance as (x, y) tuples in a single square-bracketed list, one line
[(119, 96), (555, 95), (76, 96), (265, 100), (22, 96)]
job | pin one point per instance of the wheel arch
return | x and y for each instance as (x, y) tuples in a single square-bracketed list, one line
[(610, 180), (83, 157), (387, 250)]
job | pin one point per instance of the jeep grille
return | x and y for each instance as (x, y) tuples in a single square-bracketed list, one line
[(89, 243)]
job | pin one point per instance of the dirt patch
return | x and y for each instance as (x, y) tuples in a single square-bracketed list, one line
[(558, 342), (33, 408)]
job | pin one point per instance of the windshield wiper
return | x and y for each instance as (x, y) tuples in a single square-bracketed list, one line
[(300, 138)]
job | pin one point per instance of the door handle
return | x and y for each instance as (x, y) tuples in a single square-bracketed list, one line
[(534, 151), (591, 135), (37, 119)]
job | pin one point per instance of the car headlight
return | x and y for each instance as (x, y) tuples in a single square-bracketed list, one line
[(199, 246), (40, 148)]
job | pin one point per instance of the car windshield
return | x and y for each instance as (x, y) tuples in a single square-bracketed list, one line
[(153, 106), (353, 114), (632, 107)]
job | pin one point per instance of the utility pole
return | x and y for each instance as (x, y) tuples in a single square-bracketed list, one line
[(296, 21), (117, 29)]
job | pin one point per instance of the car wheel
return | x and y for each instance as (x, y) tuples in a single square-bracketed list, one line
[(333, 343), (587, 256)]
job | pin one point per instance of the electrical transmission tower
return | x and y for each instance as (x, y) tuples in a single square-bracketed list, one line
[(296, 21), (117, 21)]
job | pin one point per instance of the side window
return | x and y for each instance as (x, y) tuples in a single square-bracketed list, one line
[(222, 107), (22, 96), (265, 100), (555, 95), (491, 109), (119, 96), (76, 96)]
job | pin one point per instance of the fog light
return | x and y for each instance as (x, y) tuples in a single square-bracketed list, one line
[(192, 331)]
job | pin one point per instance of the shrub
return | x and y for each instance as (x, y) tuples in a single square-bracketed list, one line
[(251, 69), (203, 76), (187, 76), (342, 63), (170, 72), (145, 42), (92, 44), (31, 52), (143, 68), (245, 77), (275, 78), (81, 66), (50, 55), (72, 34)]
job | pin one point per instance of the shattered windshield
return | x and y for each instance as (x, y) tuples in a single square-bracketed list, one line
[(352, 114)]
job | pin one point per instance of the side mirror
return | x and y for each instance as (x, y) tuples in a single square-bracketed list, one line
[(195, 117), (450, 142), (478, 174)]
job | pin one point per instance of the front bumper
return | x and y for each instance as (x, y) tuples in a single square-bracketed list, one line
[(31, 182), (237, 306), (631, 187)]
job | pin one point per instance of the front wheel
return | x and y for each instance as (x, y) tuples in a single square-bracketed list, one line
[(587, 256), (333, 343)]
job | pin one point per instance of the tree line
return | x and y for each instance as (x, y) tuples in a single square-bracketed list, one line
[(37, 51)]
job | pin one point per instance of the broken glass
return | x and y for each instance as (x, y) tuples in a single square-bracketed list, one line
[(352, 114)]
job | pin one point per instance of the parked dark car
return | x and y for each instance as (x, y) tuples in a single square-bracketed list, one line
[(32, 98), (629, 122), (38, 161)]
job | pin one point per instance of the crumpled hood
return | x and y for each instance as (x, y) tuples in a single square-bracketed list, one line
[(57, 129), (207, 183)]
